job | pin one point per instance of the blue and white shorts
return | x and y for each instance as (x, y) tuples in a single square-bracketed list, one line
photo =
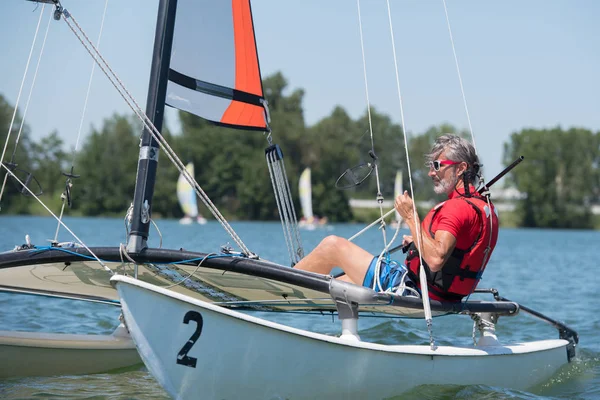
[(393, 277)]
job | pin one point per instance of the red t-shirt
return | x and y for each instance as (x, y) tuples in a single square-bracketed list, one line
[(458, 218)]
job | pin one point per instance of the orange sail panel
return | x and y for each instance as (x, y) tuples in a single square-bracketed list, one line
[(214, 71)]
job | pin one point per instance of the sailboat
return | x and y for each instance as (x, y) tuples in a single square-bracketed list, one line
[(305, 191), (308, 221), (185, 309), (187, 199)]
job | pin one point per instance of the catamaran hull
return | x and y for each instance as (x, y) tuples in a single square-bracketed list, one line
[(198, 350), (45, 354)]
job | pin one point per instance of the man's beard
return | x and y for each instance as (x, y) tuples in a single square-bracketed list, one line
[(445, 185)]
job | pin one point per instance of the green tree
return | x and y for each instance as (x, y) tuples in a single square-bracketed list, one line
[(330, 149), (557, 175), (17, 152), (49, 161), (108, 163)]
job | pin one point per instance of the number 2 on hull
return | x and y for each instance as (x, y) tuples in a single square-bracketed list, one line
[(182, 357)]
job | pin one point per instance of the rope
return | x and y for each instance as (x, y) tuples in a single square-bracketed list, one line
[(285, 205), (62, 208), (116, 82), (282, 205), (159, 233), (12, 121), (379, 195), (422, 276), (123, 253), (480, 173), (298, 250), (85, 103), (387, 214), (87, 95), (191, 273)]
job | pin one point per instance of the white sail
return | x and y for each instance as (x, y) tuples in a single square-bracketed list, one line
[(305, 190), (186, 194)]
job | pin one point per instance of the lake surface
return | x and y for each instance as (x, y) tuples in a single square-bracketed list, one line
[(554, 272)]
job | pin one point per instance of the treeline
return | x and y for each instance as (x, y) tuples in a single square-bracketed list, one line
[(560, 175)]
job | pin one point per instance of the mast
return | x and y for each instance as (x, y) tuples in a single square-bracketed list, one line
[(155, 107)]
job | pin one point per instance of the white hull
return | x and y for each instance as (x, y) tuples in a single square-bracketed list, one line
[(186, 221), (307, 226), (45, 354), (190, 220), (237, 355)]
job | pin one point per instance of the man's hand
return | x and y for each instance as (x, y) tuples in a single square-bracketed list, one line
[(406, 240), (405, 206)]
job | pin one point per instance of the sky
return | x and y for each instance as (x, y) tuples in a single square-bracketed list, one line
[(523, 64)]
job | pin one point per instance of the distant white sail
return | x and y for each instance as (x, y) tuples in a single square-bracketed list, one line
[(186, 194), (398, 191), (306, 194)]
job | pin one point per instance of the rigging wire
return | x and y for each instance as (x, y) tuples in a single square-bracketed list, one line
[(285, 206), (422, 276), (5, 166), (35, 74), (479, 173), (83, 112), (87, 95), (462, 90), (12, 121), (375, 164), (118, 84)]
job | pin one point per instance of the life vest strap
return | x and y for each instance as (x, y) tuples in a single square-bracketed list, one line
[(448, 296)]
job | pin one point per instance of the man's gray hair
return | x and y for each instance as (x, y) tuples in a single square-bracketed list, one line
[(457, 149)]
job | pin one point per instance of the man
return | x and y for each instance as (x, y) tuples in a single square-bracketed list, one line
[(457, 236)]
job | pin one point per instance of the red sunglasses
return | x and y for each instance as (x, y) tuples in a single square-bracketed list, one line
[(437, 164)]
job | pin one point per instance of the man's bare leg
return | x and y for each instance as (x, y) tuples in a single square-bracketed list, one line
[(334, 251)]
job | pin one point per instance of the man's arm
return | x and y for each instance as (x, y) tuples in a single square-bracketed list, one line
[(434, 250)]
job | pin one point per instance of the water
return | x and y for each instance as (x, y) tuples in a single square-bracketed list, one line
[(553, 272)]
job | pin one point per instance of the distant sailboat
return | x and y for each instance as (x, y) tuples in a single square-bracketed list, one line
[(305, 189), (309, 220), (187, 199)]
